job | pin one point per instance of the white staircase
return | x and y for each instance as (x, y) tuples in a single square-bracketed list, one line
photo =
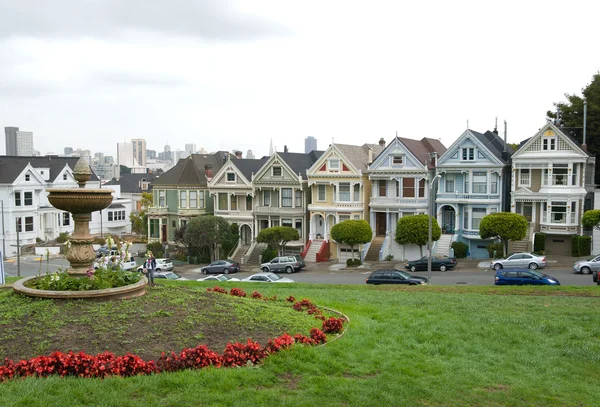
[(442, 246), (314, 248)]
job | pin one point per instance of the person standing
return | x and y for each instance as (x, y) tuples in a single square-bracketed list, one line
[(150, 266)]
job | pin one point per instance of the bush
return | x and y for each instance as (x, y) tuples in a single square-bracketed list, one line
[(585, 245), (268, 254), (575, 246), (496, 247), (156, 248), (539, 243), (353, 262), (62, 237), (389, 257), (460, 249)]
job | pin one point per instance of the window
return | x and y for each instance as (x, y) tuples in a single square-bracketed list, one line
[(356, 192), (494, 184), (549, 144), (286, 222), (333, 164), (422, 188), (275, 198), (223, 201), (277, 171), (266, 198), (524, 179), (183, 199), (344, 217), (408, 187), (233, 203), (478, 214), (450, 178), (248, 203), (468, 154), (161, 198), (64, 176), (321, 193), (574, 180), (17, 199), (558, 212), (231, 177), (298, 199), (114, 216), (193, 199), (66, 219), (201, 196), (299, 227), (110, 216), (397, 189), (28, 224), (466, 218), (344, 192), (286, 198), (27, 177), (479, 182), (559, 174), (274, 223), (382, 187), (28, 198), (397, 160)]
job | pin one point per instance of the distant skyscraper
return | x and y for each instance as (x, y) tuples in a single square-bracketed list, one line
[(18, 142), (151, 154), (139, 150), (250, 155), (190, 149), (310, 144), (68, 150)]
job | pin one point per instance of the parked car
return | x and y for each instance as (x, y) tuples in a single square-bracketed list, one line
[(520, 260), (523, 277), (161, 265), (220, 277), (221, 267), (169, 275), (267, 278), (437, 263), (289, 264), (587, 266), (105, 251), (126, 264), (300, 260), (394, 277)]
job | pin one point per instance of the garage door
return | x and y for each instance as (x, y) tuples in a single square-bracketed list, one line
[(558, 245)]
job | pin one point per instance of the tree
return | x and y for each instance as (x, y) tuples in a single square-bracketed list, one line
[(139, 220), (569, 115), (591, 219), (504, 226), (415, 229), (206, 232), (277, 237), (352, 232)]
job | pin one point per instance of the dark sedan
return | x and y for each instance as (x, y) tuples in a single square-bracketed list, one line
[(394, 277), (437, 263), (221, 267)]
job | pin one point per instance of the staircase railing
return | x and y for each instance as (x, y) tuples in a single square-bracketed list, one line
[(365, 250), (244, 258), (323, 253), (233, 251), (384, 247), (303, 253)]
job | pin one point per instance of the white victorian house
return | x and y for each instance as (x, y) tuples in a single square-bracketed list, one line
[(552, 185), (399, 177)]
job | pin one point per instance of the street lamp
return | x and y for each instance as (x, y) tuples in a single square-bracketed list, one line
[(430, 204)]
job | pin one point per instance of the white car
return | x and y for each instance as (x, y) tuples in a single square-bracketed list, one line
[(267, 278), (169, 275), (125, 264), (219, 277), (161, 265)]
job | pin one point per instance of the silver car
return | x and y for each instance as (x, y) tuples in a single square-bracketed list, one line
[(520, 260), (267, 278), (587, 266), (289, 264)]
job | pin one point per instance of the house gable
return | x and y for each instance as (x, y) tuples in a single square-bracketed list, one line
[(229, 175), (469, 151), (29, 176), (275, 171), (333, 163), (396, 156), (549, 140)]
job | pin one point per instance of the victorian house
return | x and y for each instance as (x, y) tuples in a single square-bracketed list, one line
[(182, 193), (340, 189), (552, 185), (400, 177), (474, 181)]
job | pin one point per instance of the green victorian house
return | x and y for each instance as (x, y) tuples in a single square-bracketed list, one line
[(182, 193)]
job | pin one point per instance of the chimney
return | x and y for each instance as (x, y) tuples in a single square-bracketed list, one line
[(504, 152), (208, 171), (382, 142), (584, 145), (370, 155), (225, 157), (496, 127), (285, 150), (238, 154)]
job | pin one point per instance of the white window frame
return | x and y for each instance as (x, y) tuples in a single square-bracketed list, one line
[(345, 185), (467, 154), (193, 201), (183, 202), (162, 198), (277, 168), (476, 221), (287, 197), (200, 199), (232, 176), (549, 143), (397, 160), (330, 164), (525, 181), (266, 198), (446, 179), (321, 188), (480, 187)]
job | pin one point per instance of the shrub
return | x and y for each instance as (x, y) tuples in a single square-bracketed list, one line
[(353, 262), (389, 257), (156, 248), (575, 246), (496, 247), (539, 243), (268, 254), (62, 237), (460, 249), (333, 325), (585, 245)]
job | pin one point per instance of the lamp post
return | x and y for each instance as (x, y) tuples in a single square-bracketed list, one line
[(430, 204), (3, 233)]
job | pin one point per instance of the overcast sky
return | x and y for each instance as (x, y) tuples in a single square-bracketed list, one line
[(234, 75)]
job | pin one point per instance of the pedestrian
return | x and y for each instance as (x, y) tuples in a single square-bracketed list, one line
[(150, 266)]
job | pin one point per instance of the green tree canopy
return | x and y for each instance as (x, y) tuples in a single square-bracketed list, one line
[(415, 229), (277, 237), (591, 219), (352, 233), (139, 220), (207, 232), (504, 226), (569, 115)]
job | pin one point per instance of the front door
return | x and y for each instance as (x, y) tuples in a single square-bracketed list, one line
[(164, 233), (380, 223), (448, 220)]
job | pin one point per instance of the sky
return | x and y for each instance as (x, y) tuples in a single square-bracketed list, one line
[(236, 75)]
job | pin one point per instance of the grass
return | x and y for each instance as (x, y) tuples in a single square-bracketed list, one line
[(417, 346)]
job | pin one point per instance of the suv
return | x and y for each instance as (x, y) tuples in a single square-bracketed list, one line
[(289, 264), (523, 277)]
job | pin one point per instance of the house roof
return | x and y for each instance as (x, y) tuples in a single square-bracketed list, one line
[(191, 170), (130, 183), (359, 155), (566, 133), (494, 143), (422, 148), (249, 166), (300, 162), (12, 166)]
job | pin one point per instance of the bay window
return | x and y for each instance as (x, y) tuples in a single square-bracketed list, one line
[(344, 192)]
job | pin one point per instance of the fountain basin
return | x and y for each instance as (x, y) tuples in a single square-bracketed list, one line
[(80, 200), (119, 293)]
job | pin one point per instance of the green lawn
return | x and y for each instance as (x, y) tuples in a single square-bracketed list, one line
[(416, 346)]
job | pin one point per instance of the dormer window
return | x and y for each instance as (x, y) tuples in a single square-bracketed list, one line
[(27, 177), (231, 177), (468, 154), (64, 176), (277, 171), (397, 160), (333, 164), (549, 144)]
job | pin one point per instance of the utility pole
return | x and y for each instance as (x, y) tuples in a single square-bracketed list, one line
[(18, 248), (3, 233)]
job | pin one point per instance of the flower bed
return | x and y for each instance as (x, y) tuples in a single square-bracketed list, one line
[(235, 354)]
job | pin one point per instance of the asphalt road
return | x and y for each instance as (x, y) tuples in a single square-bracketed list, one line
[(325, 275)]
